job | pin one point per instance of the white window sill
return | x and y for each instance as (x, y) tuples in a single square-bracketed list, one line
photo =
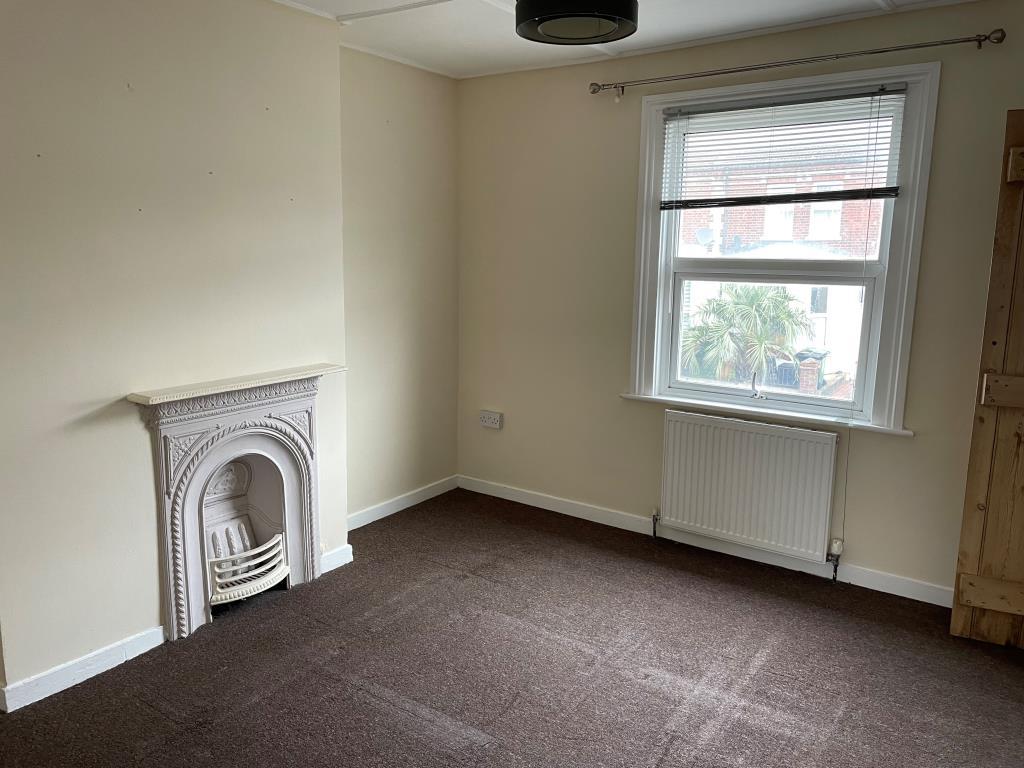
[(762, 413)]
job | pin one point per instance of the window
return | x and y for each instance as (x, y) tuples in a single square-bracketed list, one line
[(819, 300), (826, 216), (780, 226), (778, 219)]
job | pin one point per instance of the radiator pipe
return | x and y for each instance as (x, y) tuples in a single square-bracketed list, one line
[(834, 559)]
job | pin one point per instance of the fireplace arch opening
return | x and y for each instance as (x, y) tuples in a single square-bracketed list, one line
[(245, 541), (277, 476)]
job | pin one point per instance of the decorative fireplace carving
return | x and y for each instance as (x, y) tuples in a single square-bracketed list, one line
[(202, 435)]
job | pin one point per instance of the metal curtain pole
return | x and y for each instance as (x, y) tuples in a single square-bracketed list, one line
[(995, 37)]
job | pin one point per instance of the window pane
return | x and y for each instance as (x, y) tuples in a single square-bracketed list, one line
[(850, 229), (800, 339), (826, 220), (778, 219)]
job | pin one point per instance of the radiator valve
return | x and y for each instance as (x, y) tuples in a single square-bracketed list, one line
[(835, 551)]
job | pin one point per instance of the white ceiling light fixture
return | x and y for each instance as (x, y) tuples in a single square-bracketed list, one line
[(576, 22)]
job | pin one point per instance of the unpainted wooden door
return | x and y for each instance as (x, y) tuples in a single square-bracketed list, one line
[(989, 590)]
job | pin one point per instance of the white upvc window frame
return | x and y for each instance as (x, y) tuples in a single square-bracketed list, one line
[(892, 281)]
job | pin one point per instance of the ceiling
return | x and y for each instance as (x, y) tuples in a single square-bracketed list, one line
[(467, 38)]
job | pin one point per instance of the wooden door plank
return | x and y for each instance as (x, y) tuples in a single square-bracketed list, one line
[(1002, 391), (994, 594), (1000, 556), (997, 318), (972, 529)]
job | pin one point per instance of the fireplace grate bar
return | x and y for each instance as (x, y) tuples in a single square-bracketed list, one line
[(244, 574)]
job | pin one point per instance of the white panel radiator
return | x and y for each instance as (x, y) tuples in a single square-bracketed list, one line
[(760, 485)]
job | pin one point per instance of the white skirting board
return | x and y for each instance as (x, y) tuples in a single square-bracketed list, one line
[(335, 558), (397, 504), (18, 694), (594, 514), (852, 574)]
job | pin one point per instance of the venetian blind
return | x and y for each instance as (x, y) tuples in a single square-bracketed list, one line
[(743, 157)]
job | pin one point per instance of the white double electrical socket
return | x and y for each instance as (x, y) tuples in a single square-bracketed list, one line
[(492, 419)]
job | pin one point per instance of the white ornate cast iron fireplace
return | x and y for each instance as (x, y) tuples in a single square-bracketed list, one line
[(237, 481)]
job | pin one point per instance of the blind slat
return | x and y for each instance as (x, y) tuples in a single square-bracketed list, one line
[(741, 154)]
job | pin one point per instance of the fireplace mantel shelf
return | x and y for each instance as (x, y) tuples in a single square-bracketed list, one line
[(157, 396)]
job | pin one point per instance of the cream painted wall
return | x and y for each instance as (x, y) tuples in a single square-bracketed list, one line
[(401, 281), (3, 673), (547, 190), (170, 211)]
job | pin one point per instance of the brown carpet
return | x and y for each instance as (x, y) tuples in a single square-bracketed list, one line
[(477, 632)]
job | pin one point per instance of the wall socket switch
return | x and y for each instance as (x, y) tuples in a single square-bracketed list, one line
[(492, 419)]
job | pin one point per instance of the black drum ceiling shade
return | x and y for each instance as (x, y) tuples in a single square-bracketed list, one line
[(576, 22)]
